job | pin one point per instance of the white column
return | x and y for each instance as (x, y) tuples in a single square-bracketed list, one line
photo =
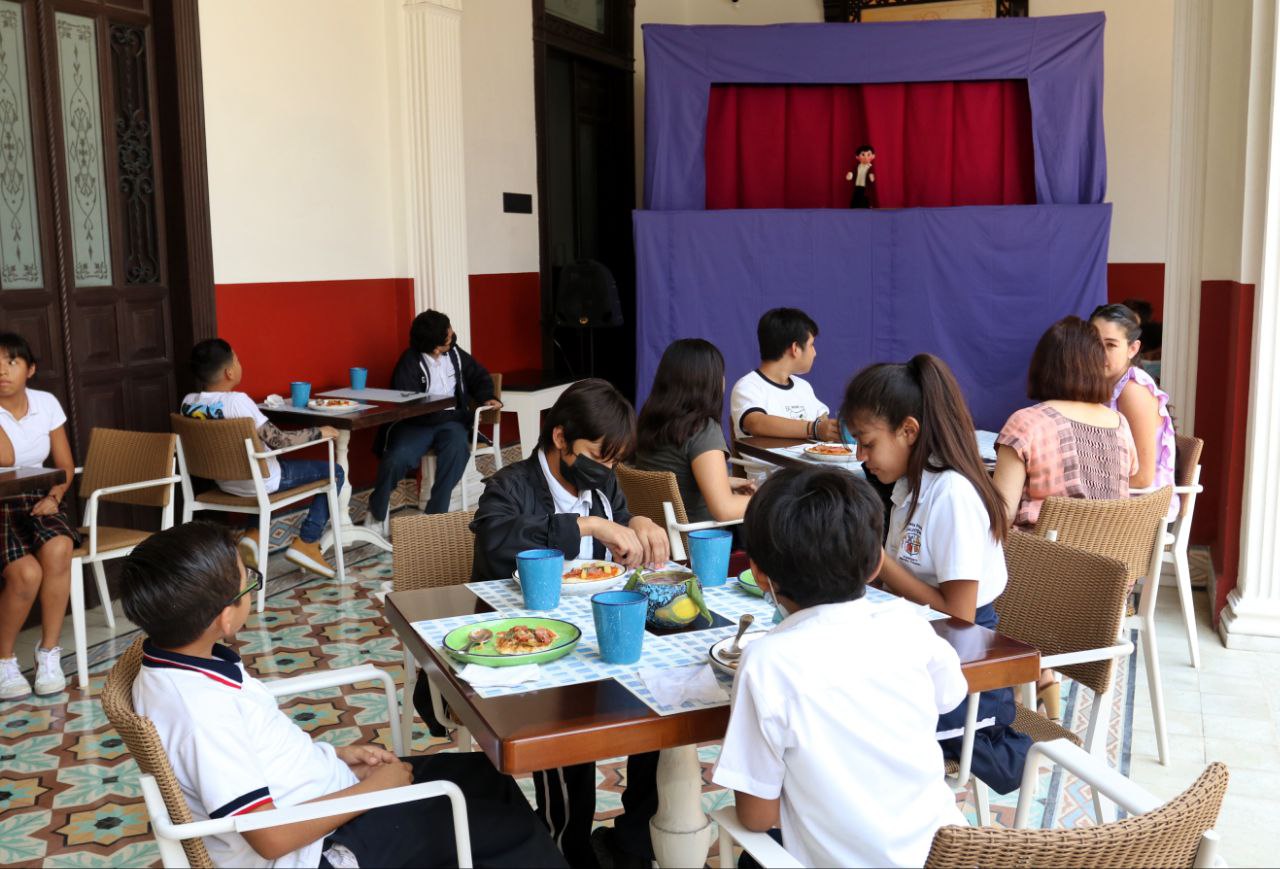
[(1191, 33), (1251, 619), (435, 170)]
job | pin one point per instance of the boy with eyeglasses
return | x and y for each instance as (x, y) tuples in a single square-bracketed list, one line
[(234, 752)]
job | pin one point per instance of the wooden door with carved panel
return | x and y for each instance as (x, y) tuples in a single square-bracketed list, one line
[(83, 273)]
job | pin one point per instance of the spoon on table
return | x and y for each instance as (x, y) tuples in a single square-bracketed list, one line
[(734, 652), (476, 638)]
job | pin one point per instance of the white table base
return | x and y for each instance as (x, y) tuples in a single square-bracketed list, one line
[(352, 534), (681, 832)]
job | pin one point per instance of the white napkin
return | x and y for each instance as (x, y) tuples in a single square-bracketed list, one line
[(274, 400), (500, 677), (672, 686)]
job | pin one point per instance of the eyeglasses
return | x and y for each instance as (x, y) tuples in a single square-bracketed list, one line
[(255, 583)]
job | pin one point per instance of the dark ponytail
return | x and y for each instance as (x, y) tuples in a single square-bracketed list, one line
[(926, 389)]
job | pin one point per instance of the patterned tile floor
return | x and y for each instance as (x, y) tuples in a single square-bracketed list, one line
[(68, 789)]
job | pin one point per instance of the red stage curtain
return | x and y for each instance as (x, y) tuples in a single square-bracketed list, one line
[(936, 143)]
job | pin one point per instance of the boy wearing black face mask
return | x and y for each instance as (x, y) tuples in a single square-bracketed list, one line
[(565, 496)]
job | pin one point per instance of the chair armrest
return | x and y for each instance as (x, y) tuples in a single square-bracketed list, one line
[(1086, 656), (761, 846), (91, 504), (1188, 490), (1091, 770), (703, 526), (268, 454), (322, 679)]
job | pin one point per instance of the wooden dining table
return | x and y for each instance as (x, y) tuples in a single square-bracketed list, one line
[(593, 721), (379, 414), (21, 481)]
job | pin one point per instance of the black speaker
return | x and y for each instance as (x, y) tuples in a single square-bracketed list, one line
[(587, 296)]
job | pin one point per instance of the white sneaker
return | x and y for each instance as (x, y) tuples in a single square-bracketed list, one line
[(49, 678), (12, 683), (382, 527)]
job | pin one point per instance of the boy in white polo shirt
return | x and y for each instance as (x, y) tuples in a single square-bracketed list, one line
[(234, 752), (772, 401), (832, 730)]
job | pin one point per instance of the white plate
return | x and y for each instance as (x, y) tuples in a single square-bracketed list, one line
[(574, 589), (821, 457), (718, 661), (349, 407)]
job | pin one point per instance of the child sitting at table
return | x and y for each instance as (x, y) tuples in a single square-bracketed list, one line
[(772, 401), (38, 538), (218, 371), (831, 732), (565, 496), (945, 541), (234, 751)]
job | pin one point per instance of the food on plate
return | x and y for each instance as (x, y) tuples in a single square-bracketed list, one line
[(522, 639), (332, 402), (593, 571), (829, 450)]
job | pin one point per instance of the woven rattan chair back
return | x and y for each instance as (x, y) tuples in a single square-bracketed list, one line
[(1167, 836), (1063, 599), (1121, 528), (431, 550), (1184, 466), (214, 448), (139, 734), (118, 457), (647, 491), (493, 417)]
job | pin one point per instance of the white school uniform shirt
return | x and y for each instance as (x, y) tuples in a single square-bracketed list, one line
[(30, 435), (755, 392), (579, 504), (834, 711), (232, 405), (441, 381), (949, 535), (231, 748)]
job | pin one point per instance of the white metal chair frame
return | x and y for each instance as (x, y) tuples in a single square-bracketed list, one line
[(265, 507), (169, 835), (1174, 547), (428, 467), (676, 529), (1097, 774), (96, 559)]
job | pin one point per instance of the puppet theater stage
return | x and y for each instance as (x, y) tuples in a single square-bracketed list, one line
[(991, 176)]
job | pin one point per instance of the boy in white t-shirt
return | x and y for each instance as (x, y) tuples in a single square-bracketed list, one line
[(234, 752), (832, 729), (36, 536), (218, 371), (772, 401)]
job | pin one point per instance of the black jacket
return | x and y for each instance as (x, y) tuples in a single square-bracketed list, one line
[(517, 512), (472, 384)]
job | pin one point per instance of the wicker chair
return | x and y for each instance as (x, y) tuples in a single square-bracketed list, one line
[(1177, 833), (656, 496), (122, 467), (229, 449), (179, 836), (432, 550), (488, 416), (1130, 530)]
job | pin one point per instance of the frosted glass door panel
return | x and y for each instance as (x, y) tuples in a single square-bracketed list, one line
[(20, 266)]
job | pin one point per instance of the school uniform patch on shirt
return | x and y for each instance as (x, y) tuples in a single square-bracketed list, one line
[(909, 550)]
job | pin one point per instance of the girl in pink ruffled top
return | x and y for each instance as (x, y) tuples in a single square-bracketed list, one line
[(1135, 395)]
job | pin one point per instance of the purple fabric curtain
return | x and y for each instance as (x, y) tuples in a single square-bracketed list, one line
[(975, 285), (1060, 58)]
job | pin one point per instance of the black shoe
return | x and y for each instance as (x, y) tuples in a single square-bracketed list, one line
[(604, 841)]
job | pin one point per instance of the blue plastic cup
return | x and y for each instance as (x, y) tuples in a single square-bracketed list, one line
[(359, 378), (709, 555), (541, 572), (619, 618), (300, 390)]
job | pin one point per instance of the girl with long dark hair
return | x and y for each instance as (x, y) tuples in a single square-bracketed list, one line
[(945, 541), (679, 431)]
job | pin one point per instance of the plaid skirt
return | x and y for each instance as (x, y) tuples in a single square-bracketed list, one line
[(23, 534)]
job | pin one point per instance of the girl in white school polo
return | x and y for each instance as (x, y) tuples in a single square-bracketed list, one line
[(944, 542), (36, 537)]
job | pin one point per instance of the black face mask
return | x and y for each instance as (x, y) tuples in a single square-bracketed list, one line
[(585, 473)]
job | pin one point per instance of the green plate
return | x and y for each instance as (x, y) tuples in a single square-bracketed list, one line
[(747, 582), (486, 653)]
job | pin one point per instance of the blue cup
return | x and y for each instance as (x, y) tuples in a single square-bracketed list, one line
[(541, 572), (300, 390), (619, 618), (359, 378), (709, 555)]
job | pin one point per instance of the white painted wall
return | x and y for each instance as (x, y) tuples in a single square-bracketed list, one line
[(297, 112), (1137, 106), (499, 134), (1227, 118)]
